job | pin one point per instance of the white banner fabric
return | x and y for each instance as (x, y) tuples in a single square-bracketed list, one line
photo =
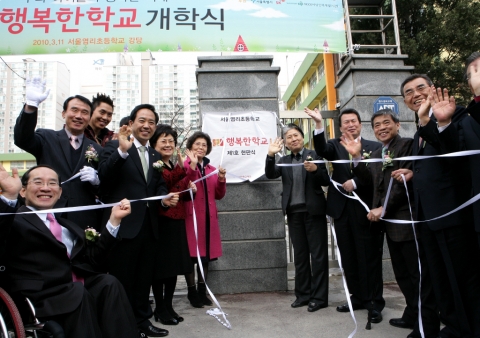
[(240, 142)]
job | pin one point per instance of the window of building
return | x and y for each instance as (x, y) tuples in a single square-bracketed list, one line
[(321, 71), (324, 104), (18, 164), (298, 100), (30, 164), (312, 82)]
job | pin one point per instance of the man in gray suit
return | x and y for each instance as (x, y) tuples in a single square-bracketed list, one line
[(303, 202)]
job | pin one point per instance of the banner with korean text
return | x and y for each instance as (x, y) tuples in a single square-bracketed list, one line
[(92, 26), (240, 142)]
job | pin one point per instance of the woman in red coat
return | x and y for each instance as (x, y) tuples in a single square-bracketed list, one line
[(172, 254), (208, 190)]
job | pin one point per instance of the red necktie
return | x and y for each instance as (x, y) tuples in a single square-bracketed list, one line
[(56, 230)]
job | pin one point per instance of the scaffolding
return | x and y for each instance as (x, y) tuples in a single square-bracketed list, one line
[(385, 21)]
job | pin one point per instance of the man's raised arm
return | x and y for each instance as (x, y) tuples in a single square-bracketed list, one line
[(322, 147), (24, 132)]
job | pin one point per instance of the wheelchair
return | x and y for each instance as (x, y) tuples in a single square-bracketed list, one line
[(18, 320)]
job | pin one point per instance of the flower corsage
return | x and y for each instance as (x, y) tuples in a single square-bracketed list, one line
[(387, 160), (91, 154), (366, 155), (91, 235), (309, 158), (159, 165)]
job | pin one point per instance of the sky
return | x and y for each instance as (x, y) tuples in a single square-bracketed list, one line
[(82, 72)]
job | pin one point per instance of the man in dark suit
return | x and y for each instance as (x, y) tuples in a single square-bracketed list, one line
[(441, 185), (360, 243), (303, 202), (50, 261), (9, 186), (64, 150), (126, 169), (400, 237), (470, 131)]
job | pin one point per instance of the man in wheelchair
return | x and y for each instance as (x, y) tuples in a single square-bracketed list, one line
[(52, 262)]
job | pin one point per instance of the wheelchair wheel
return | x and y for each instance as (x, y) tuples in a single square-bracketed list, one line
[(10, 320)]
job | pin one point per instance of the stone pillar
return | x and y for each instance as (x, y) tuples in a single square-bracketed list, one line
[(361, 80), (364, 77), (251, 221)]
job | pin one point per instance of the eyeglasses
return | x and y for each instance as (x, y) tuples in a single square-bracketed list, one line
[(203, 145), (40, 183), (420, 88), (165, 141)]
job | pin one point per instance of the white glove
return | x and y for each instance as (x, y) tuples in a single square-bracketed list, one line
[(35, 91), (88, 174)]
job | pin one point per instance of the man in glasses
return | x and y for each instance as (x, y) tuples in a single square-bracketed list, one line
[(441, 185), (50, 259), (471, 129)]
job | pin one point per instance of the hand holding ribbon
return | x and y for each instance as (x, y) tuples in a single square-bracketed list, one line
[(375, 214), (192, 186), (221, 173), (171, 201), (310, 166), (119, 211), (88, 174), (397, 174)]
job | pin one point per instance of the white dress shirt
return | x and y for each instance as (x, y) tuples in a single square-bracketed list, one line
[(137, 145)]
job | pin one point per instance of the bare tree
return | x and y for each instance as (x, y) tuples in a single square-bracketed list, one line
[(175, 116)]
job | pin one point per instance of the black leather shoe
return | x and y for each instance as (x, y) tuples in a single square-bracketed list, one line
[(345, 308), (153, 331), (175, 315), (414, 335), (205, 300), (298, 303), (178, 318), (202, 294), (193, 297), (314, 306), (164, 317), (399, 322), (376, 317), (170, 321)]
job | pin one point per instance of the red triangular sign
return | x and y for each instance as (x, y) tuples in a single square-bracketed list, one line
[(240, 46)]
